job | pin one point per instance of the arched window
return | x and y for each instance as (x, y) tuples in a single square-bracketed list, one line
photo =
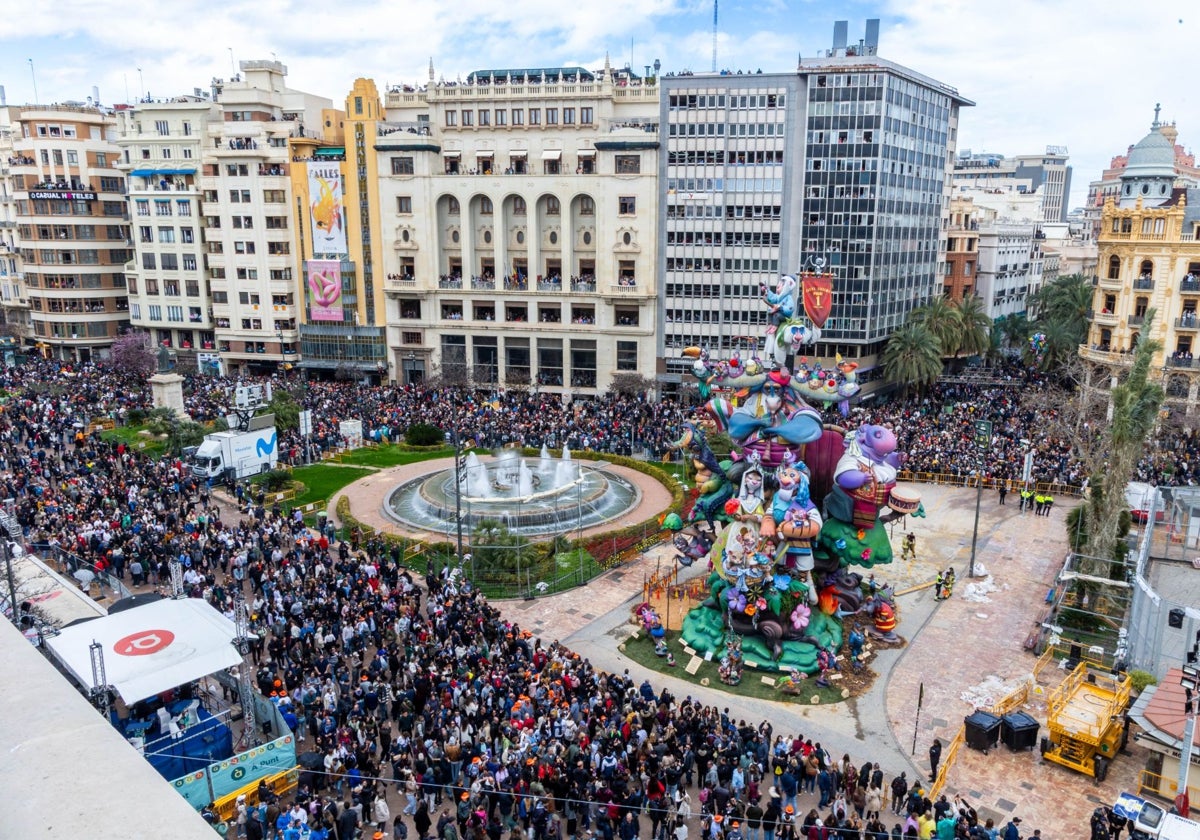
[(1147, 269), (1114, 267), (452, 206)]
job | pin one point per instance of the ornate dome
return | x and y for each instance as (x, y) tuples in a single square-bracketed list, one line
[(1152, 157)]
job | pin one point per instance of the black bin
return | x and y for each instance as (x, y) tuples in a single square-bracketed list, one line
[(1018, 731), (982, 730)]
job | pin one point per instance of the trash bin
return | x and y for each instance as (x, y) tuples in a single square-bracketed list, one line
[(1019, 731), (982, 730)]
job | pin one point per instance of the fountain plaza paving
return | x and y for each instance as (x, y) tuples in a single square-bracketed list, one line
[(959, 650)]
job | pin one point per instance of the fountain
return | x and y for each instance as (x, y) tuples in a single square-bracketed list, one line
[(542, 497)]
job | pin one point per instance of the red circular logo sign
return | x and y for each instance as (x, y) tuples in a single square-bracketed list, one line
[(144, 642)]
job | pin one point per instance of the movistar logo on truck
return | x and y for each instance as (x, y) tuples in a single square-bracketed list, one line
[(265, 447)]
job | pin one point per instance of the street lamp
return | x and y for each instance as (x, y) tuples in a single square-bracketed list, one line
[(1190, 680), (458, 468)]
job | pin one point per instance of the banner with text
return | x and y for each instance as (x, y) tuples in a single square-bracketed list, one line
[(194, 788), (326, 209), (250, 766), (324, 290)]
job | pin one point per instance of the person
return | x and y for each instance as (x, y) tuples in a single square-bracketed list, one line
[(347, 822), (1012, 830), (910, 547), (899, 791), (935, 756), (1003, 490)]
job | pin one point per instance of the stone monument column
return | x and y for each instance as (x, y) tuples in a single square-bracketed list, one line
[(166, 386)]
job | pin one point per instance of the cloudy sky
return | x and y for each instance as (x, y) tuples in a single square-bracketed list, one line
[(1078, 73)]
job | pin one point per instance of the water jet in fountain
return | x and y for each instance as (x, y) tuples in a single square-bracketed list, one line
[(546, 496)]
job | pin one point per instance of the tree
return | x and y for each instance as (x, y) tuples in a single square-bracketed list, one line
[(1062, 305), (132, 356), (974, 327), (913, 356), (285, 408), (942, 320), (1135, 405), (631, 384), (1014, 331)]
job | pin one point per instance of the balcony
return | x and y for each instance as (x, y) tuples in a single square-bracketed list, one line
[(1143, 284), (1187, 323), (1106, 282), (451, 283), (1182, 361), (1105, 357), (1136, 320), (1104, 317), (1189, 286)]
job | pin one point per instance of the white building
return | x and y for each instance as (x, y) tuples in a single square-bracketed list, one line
[(248, 215), (517, 214), (1010, 264), (162, 146), (1046, 175), (14, 302)]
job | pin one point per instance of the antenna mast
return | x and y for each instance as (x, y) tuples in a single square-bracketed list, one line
[(714, 61)]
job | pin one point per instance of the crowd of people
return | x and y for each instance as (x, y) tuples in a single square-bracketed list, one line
[(430, 711)]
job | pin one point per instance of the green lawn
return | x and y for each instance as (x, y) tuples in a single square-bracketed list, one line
[(139, 443), (641, 650), (391, 456), (322, 481)]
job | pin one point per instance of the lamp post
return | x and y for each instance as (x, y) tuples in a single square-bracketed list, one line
[(1190, 680), (983, 442), (458, 473)]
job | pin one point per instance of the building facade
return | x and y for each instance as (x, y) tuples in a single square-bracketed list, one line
[(162, 147), (14, 302), (72, 226), (1046, 175), (962, 251), (517, 228), (842, 164), (1149, 261), (1110, 184), (250, 215)]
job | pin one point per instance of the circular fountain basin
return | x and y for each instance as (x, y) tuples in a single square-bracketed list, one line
[(534, 496)]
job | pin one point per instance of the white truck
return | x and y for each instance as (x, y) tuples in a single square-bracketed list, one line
[(230, 456), (1148, 821)]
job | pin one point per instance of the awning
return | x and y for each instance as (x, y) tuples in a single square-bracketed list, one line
[(552, 154), (330, 151), (586, 153), (520, 153), (150, 649), (452, 154)]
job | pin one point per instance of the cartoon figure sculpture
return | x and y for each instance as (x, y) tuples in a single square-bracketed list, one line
[(781, 581), (729, 669), (855, 642), (781, 303)]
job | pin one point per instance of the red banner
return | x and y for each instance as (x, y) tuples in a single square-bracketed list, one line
[(817, 296)]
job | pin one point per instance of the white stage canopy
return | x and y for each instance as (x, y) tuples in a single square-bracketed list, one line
[(152, 648)]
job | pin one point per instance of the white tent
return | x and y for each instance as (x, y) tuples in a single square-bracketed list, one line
[(152, 648)]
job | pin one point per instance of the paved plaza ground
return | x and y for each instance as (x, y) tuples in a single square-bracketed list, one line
[(955, 648)]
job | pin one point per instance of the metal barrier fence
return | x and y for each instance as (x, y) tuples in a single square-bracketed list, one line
[(1014, 486), (1153, 645), (1013, 700), (1164, 787), (68, 564)]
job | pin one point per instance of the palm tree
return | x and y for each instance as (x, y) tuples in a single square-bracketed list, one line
[(1015, 329), (1135, 405), (1067, 300), (974, 327), (941, 318), (913, 356), (1061, 346)]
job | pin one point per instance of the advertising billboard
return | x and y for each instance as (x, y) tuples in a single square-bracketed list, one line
[(326, 209), (324, 290)]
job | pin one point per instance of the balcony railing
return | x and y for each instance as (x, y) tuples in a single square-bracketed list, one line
[(1104, 356), (447, 283), (1189, 286), (1143, 283), (1182, 361), (1136, 320), (1103, 317), (1187, 323), (1111, 282)]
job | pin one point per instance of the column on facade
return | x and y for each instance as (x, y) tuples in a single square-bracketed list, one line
[(500, 238), (533, 239), (466, 234), (567, 240)]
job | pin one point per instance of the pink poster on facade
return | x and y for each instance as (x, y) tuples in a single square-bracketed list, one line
[(324, 290)]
